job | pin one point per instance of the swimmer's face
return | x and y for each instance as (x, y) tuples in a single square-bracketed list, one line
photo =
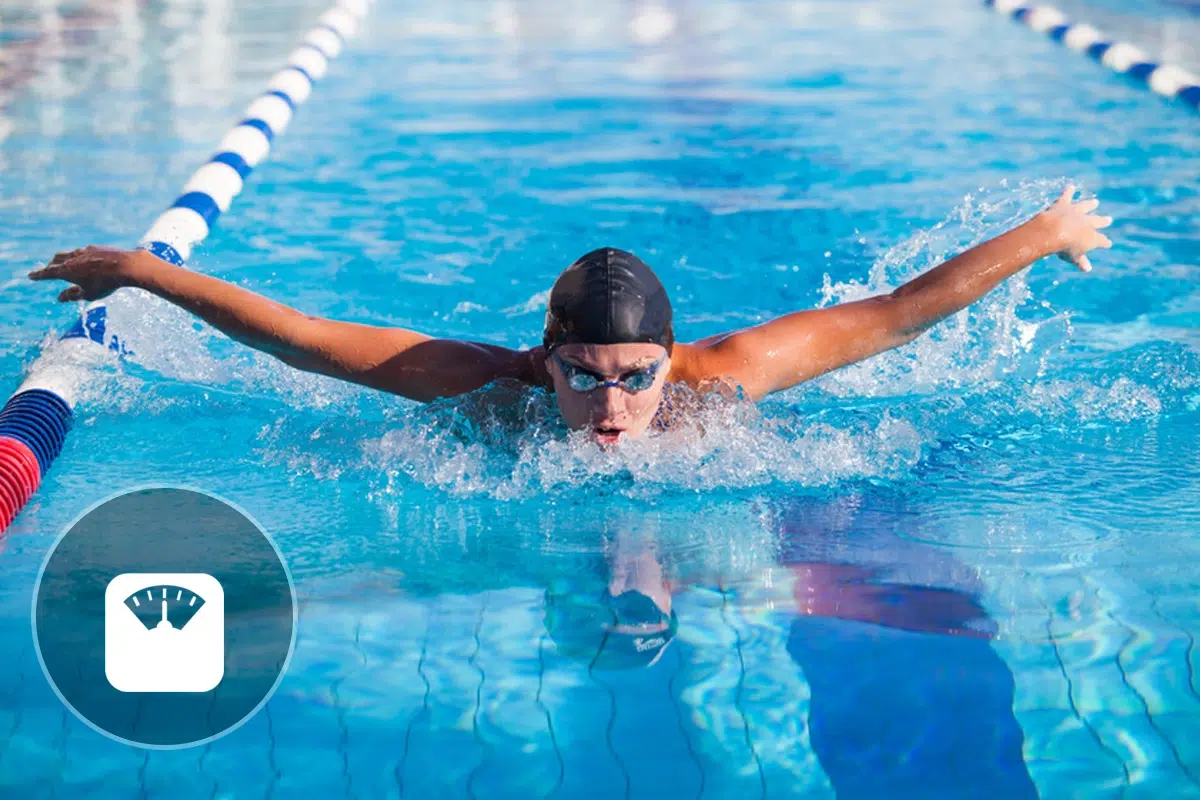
[(608, 411)]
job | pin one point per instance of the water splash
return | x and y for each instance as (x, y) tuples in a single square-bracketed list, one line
[(728, 445), (981, 343), (1005, 355)]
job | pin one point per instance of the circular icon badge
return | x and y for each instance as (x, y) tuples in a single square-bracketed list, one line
[(164, 617)]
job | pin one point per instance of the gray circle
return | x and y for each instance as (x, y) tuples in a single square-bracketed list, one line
[(164, 617)]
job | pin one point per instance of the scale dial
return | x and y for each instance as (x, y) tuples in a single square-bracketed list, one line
[(164, 606)]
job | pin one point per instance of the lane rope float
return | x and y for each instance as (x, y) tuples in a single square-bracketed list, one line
[(35, 421)]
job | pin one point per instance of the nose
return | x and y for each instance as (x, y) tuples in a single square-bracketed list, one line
[(607, 403)]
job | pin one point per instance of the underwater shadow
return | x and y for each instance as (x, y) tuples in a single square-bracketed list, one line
[(908, 697)]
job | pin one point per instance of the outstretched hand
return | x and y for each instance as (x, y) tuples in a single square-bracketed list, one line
[(1077, 228), (96, 272)]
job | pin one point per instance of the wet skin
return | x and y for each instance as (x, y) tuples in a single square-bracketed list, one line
[(772, 356)]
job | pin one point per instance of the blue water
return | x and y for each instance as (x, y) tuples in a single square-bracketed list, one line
[(1003, 519)]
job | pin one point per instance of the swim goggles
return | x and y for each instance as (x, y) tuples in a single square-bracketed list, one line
[(580, 380)]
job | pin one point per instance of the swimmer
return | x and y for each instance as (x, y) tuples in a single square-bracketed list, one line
[(608, 353)]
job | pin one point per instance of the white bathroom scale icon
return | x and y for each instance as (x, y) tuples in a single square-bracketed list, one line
[(164, 632)]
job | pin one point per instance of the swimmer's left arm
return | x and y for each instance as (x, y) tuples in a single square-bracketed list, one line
[(783, 352)]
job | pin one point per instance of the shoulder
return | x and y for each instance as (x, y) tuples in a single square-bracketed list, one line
[(526, 366), (531, 368), (686, 364), (704, 367)]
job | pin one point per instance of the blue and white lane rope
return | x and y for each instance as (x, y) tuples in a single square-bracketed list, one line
[(35, 420), (1125, 59)]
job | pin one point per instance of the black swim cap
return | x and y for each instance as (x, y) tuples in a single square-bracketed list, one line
[(582, 627), (608, 297)]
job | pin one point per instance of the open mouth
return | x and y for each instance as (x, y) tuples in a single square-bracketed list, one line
[(607, 435)]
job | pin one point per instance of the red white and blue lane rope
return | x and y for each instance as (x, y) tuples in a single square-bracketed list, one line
[(1125, 59), (35, 420)]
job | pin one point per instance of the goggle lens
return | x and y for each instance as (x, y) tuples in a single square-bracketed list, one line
[(580, 380)]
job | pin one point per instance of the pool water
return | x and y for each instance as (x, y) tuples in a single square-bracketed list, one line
[(962, 569)]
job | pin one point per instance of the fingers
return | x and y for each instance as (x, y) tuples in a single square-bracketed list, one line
[(44, 273), (57, 268), (70, 293), (54, 269), (1068, 194), (1080, 227), (63, 257)]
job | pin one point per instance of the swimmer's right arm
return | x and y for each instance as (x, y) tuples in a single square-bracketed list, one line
[(394, 360)]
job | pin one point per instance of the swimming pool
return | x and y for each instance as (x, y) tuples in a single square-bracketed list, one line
[(1029, 470)]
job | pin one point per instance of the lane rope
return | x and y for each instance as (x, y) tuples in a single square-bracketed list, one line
[(35, 421), (1123, 58)]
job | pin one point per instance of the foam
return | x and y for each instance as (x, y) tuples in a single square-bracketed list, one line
[(875, 421)]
